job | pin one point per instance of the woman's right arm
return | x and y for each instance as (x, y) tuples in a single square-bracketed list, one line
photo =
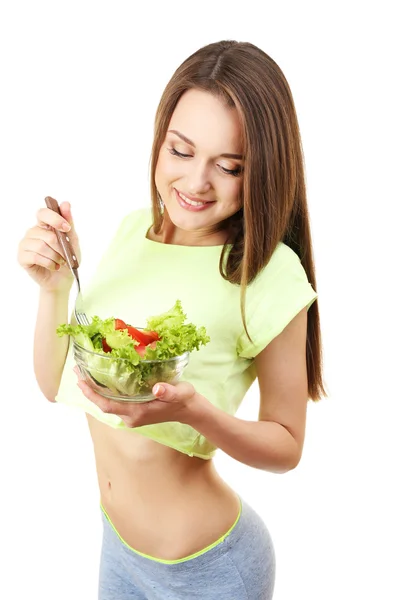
[(50, 350), (41, 255)]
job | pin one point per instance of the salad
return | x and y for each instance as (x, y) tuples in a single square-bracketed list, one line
[(115, 355)]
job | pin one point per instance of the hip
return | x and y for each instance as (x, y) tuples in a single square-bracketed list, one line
[(240, 565)]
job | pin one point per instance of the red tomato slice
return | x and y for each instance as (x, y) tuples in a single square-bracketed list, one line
[(142, 337), (153, 334), (141, 349), (119, 324), (106, 347)]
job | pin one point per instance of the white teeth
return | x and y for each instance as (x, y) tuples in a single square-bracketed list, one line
[(191, 202)]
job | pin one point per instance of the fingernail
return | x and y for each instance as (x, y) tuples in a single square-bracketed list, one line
[(159, 389), (65, 227)]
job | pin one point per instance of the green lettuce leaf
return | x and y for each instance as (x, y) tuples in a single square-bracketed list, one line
[(176, 336), (133, 375)]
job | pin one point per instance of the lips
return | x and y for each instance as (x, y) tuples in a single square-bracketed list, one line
[(191, 203), (187, 197)]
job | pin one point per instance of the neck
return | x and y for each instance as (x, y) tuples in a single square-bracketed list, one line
[(170, 234)]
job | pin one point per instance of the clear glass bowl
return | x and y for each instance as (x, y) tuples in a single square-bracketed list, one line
[(117, 379)]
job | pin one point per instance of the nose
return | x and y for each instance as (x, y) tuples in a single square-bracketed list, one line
[(199, 179)]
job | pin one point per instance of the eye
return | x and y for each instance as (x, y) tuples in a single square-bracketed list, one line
[(235, 172), (176, 153)]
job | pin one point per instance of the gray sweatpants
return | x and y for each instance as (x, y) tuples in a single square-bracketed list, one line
[(241, 567)]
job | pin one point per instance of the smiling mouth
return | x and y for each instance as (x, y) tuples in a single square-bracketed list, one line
[(193, 202)]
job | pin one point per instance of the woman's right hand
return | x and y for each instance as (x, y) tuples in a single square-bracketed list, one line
[(40, 253)]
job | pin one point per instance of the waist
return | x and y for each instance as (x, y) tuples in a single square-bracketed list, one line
[(161, 501)]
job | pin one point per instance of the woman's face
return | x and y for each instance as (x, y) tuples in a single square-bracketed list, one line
[(199, 169)]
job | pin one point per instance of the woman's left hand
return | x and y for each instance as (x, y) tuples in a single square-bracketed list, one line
[(173, 403)]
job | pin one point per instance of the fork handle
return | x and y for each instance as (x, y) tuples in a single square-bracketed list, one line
[(62, 237)]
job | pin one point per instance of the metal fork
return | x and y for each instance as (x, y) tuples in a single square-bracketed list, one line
[(73, 264)]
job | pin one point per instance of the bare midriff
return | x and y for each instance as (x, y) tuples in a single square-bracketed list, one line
[(162, 502)]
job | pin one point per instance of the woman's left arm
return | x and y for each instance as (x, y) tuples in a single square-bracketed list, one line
[(274, 442)]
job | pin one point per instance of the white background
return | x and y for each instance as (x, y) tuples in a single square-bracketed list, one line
[(80, 83)]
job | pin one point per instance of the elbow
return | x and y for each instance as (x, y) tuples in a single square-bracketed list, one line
[(48, 391), (50, 395), (292, 460), (292, 457), (294, 463), (51, 399), (286, 462)]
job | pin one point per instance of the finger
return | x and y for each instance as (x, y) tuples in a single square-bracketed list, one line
[(65, 209), (72, 237), (181, 391), (48, 236), (32, 259), (47, 217), (35, 251), (106, 406), (39, 255)]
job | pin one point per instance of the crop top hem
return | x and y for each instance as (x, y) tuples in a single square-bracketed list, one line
[(97, 415)]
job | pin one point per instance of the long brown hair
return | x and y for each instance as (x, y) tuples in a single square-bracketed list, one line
[(274, 192)]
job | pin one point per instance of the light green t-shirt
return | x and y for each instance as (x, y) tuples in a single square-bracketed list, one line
[(138, 278)]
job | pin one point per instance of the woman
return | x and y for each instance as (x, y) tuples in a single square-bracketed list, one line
[(229, 236)]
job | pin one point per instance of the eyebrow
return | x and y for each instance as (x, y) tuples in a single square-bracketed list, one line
[(185, 139)]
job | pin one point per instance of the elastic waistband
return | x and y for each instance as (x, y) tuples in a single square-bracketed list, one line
[(205, 555)]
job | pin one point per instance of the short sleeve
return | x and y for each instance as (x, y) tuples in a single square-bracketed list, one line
[(274, 298)]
